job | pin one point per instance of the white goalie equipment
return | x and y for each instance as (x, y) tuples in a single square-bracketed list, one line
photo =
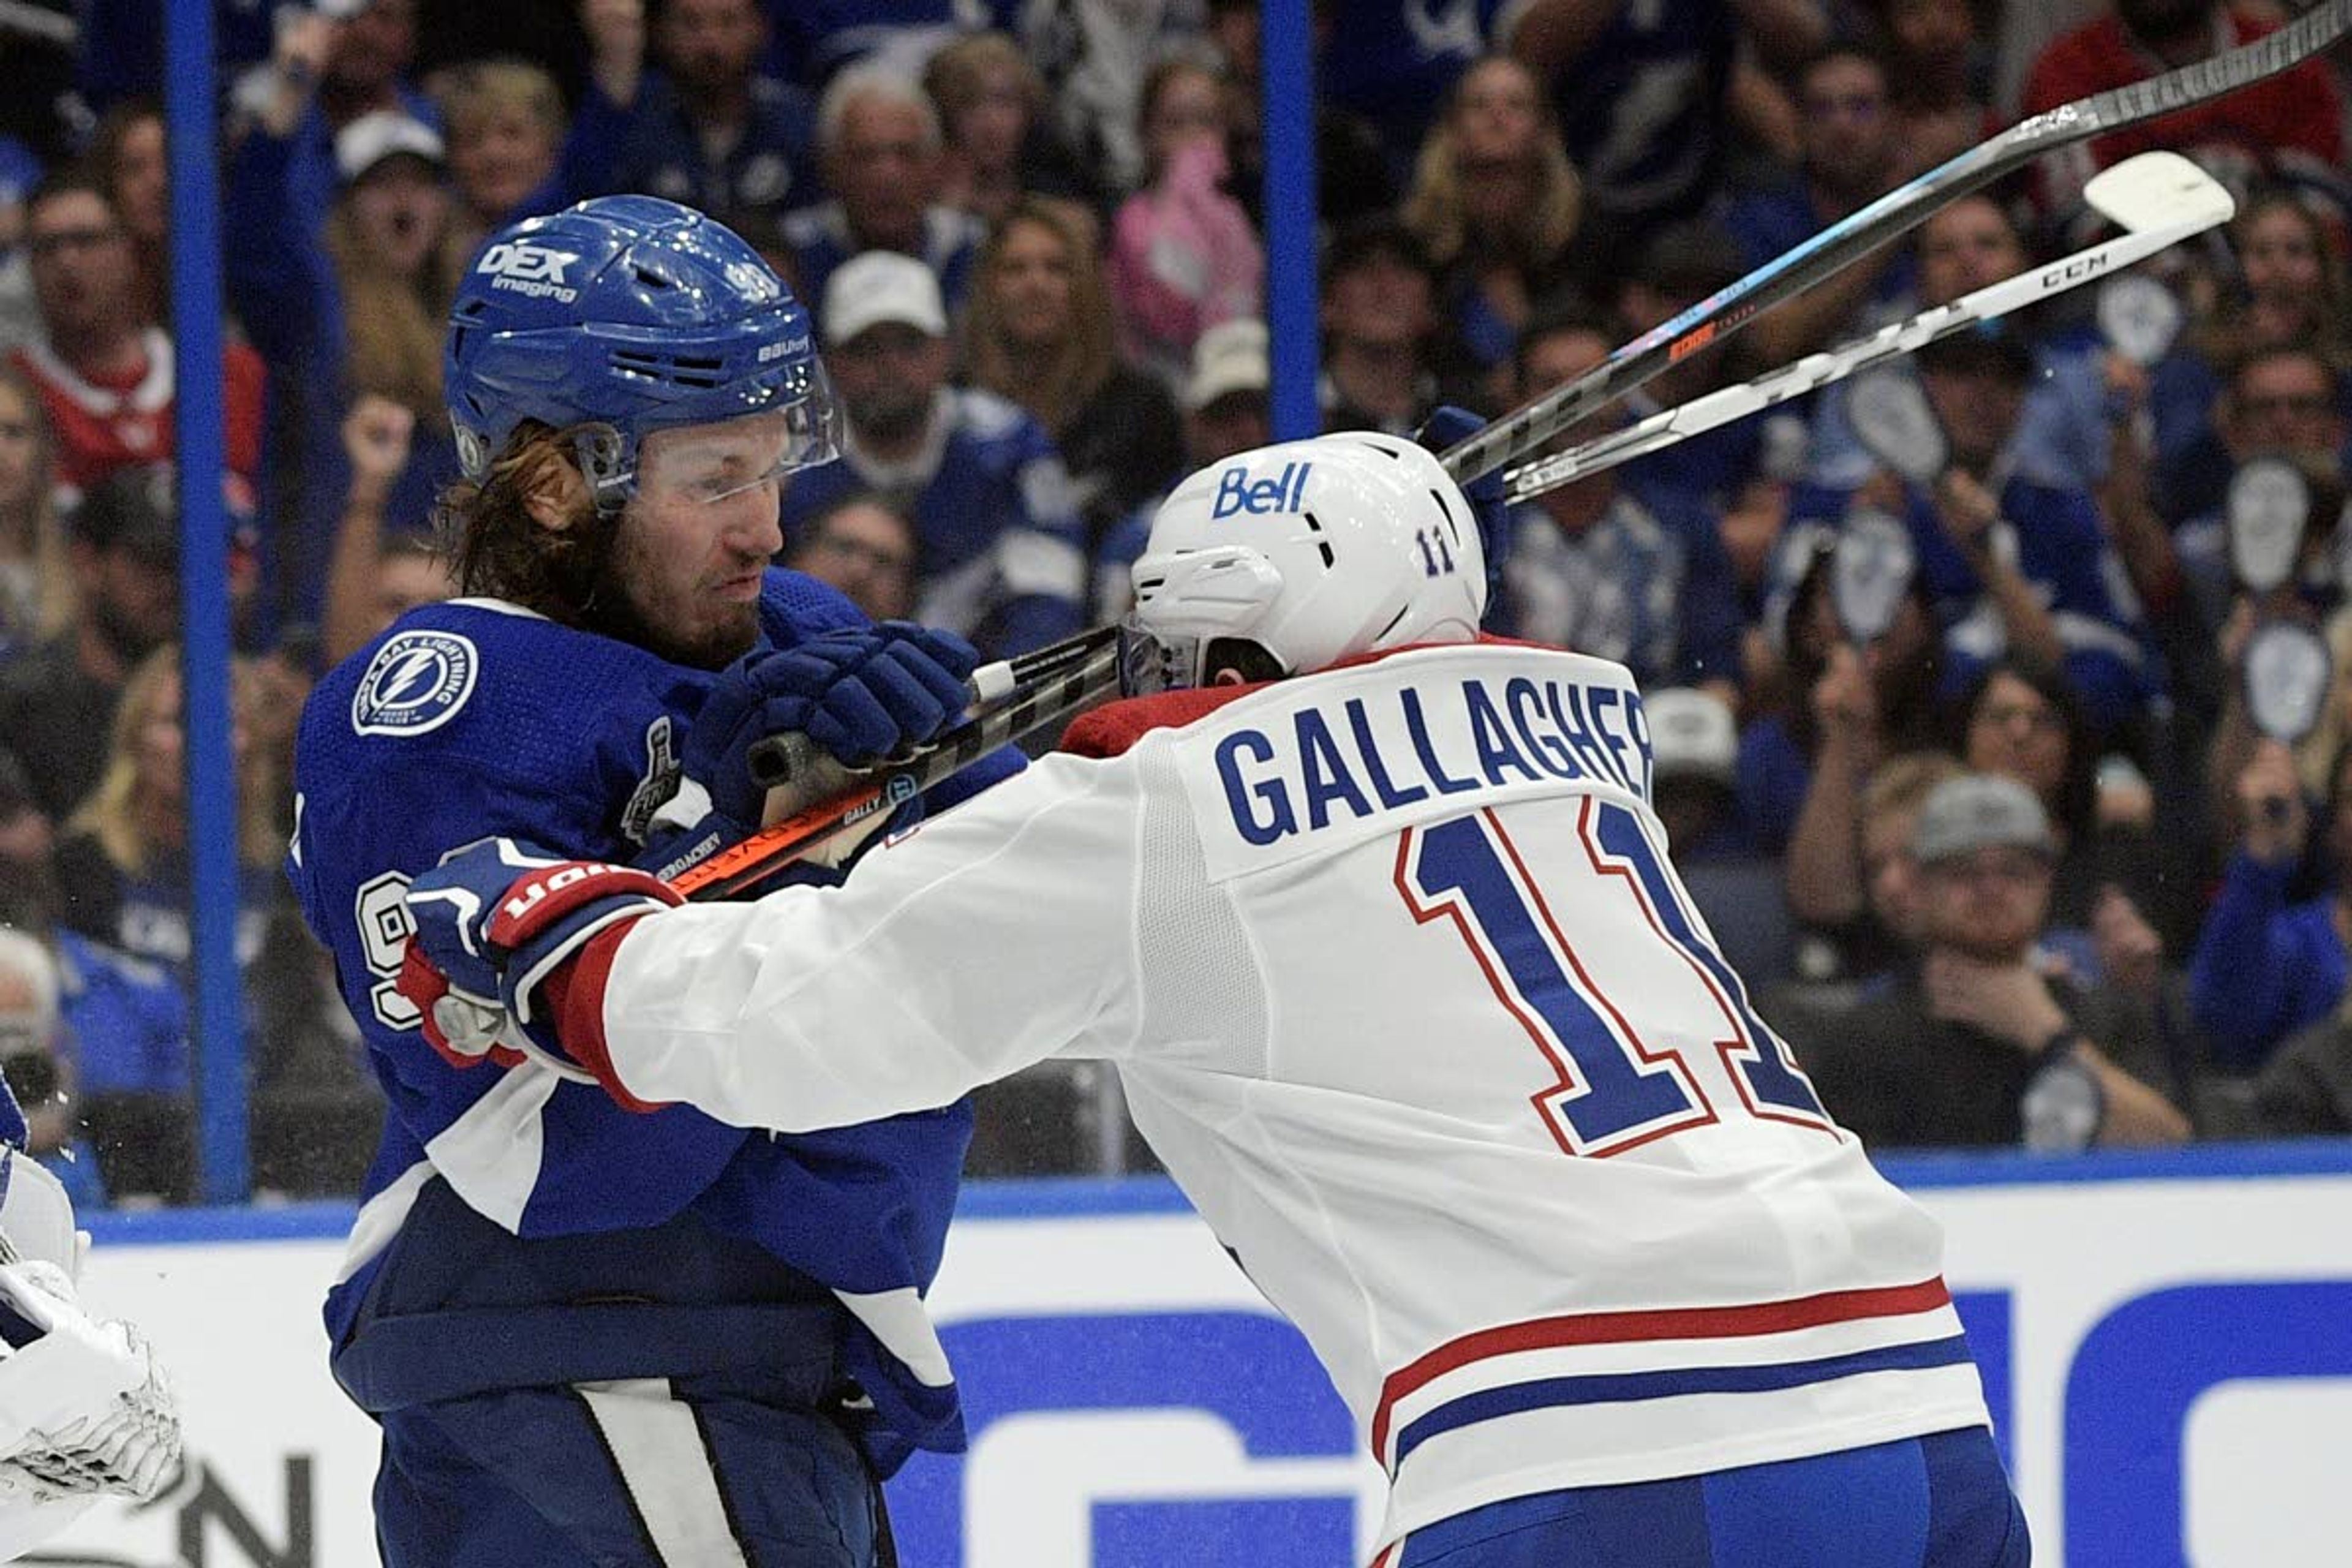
[(1315, 550), (85, 1408)]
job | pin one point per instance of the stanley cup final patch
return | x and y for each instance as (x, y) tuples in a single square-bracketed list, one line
[(416, 682)]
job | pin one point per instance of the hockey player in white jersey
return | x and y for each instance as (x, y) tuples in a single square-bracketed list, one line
[(1376, 919), (84, 1408)]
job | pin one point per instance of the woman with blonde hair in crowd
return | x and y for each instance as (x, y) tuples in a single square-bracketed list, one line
[(1496, 203), (998, 141), (1038, 332), (36, 587), (124, 881)]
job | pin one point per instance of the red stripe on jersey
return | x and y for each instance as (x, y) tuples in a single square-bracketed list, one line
[(1665, 1323)]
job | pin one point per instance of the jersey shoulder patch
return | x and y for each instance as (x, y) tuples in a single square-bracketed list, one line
[(416, 682)]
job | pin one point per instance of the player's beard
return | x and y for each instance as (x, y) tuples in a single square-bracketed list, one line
[(717, 635)]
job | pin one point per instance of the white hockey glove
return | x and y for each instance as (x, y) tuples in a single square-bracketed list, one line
[(84, 1406)]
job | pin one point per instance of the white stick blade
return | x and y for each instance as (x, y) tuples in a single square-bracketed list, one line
[(2154, 188)]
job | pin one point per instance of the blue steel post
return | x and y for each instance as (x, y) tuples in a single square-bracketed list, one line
[(1287, 55), (190, 112)]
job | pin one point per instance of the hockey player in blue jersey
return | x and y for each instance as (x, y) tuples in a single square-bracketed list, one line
[(591, 1337)]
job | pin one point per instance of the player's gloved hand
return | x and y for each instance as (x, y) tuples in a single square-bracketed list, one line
[(494, 922), (1447, 425), (860, 693)]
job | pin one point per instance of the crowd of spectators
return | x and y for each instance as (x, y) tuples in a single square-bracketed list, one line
[(2025, 805)]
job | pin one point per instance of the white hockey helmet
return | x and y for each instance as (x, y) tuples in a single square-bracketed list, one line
[(1314, 550)]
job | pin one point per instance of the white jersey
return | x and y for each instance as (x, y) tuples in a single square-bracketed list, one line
[(1405, 995)]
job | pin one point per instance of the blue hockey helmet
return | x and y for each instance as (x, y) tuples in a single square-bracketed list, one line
[(622, 316)]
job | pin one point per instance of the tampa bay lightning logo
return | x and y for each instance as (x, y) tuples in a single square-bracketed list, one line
[(416, 682)]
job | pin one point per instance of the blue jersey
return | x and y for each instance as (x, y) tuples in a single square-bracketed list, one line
[(1000, 548), (2058, 543), (516, 1228), (819, 240), (1641, 109)]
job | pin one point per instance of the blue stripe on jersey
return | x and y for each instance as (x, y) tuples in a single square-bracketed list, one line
[(1604, 1388)]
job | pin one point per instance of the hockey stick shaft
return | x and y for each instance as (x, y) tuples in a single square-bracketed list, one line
[(1669, 425), (1073, 685), (1523, 431)]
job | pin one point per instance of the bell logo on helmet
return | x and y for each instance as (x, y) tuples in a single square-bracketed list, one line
[(1236, 491), (525, 268)]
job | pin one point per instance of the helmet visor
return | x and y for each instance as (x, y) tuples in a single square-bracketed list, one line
[(711, 463), (1151, 662)]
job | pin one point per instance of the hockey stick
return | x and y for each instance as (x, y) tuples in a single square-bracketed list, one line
[(1720, 314), (777, 760), (1084, 671), (2158, 198)]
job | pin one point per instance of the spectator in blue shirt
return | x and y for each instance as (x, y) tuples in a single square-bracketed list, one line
[(1846, 129), (2267, 965), (2013, 566), (1003, 550), (1604, 567), (878, 149), (711, 130)]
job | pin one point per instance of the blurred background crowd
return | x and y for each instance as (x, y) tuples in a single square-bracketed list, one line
[(2030, 800)]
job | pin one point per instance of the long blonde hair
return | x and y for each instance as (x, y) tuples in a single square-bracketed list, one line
[(1434, 207), (1075, 369), (393, 325), (2223, 336), (55, 601), (110, 813)]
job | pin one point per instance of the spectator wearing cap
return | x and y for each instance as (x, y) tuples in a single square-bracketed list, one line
[(1183, 256), (36, 584), (1038, 333), (878, 150), (1975, 1045), (1695, 765), (1693, 783), (328, 66), (350, 310), (1495, 203), (1382, 340), (1605, 566), (1002, 555), (2013, 566), (710, 128), (105, 377), (1228, 408), (57, 697)]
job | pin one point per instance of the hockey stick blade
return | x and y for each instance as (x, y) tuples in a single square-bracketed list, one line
[(2200, 204), (1053, 699), (1524, 430)]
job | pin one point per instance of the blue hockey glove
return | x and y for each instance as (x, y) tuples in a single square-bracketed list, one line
[(1447, 425), (494, 920), (860, 693)]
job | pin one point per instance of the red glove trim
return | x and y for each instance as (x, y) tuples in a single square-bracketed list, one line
[(541, 896), (575, 996), (422, 981)]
